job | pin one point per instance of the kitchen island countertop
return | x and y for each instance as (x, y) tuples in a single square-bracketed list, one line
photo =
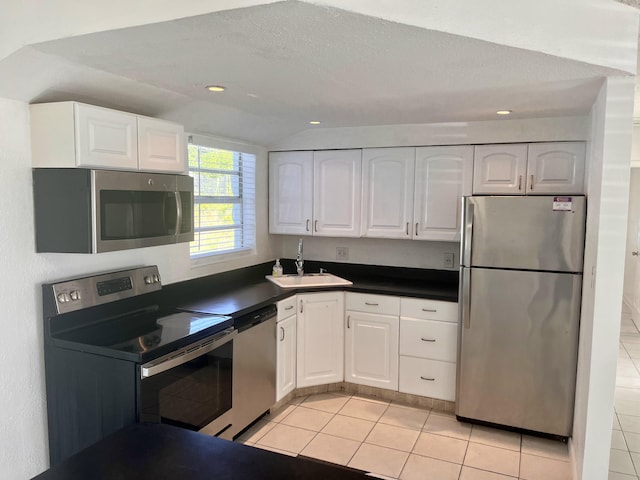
[(157, 452)]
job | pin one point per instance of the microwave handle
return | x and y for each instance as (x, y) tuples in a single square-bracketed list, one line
[(178, 212)]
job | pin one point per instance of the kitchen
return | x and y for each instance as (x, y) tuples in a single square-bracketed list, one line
[(23, 430)]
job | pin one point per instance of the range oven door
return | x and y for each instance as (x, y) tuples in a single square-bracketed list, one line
[(191, 388)]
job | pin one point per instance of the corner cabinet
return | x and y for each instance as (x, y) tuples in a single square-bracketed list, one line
[(531, 169), (371, 340), (315, 193), (320, 345), (286, 347), (72, 134)]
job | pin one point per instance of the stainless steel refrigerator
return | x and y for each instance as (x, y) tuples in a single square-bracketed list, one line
[(520, 288)]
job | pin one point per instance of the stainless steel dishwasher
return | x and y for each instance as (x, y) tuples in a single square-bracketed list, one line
[(254, 368)]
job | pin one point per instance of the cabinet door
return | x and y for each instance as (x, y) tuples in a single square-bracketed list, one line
[(443, 176), (286, 357), (105, 138), (337, 182), (320, 349), (556, 168), (161, 146), (290, 192), (387, 192), (371, 350), (500, 169)]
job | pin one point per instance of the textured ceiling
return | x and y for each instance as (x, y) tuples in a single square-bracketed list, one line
[(287, 63)]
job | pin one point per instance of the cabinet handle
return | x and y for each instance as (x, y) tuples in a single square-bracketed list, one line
[(282, 337), (371, 304), (519, 182), (301, 306), (427, 379), (348, 321), (307, 225), (531, 182), (407, 228), (432, 310), (315, 225), (416, 228), (428, 339), (289, 307)]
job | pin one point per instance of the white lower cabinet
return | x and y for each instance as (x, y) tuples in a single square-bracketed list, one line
[(371, 349), (286, 347), (428, 348), (429, 378), (320, 345)]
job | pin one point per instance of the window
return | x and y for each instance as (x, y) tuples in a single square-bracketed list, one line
[(224, 200)]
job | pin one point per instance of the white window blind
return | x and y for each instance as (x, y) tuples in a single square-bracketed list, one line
[(224, 200)]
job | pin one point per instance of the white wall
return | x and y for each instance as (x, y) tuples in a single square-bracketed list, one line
[(23, 431), (610, 151)]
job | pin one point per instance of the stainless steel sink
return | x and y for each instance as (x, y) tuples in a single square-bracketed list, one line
[(309, 280)]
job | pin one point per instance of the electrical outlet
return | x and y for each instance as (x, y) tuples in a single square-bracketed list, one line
[(448, 260), (342, 253)]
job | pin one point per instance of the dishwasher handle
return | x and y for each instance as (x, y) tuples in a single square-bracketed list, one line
[(255, 318)]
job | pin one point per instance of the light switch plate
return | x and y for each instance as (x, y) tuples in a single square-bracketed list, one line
[(342, 253)]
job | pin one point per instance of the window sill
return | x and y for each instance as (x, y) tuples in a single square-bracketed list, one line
[(216, 258)]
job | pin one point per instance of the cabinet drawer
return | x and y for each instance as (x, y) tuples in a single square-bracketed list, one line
[(429, 378), (381, 304), (429, 339), (286, 307), (429, 309)]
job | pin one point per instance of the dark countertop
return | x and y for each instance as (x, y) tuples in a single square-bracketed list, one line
[(240, 296), (162, 452)]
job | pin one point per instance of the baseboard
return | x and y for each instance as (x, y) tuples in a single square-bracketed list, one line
[(635, 312)]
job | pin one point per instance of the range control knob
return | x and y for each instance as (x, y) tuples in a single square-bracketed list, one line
[(75, 295), (148, 279), (156, 279), (63, 297)]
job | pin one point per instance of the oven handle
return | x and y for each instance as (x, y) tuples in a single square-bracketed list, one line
[(186, 354)]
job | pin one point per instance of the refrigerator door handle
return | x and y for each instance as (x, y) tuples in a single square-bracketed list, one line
[(467, 231), (466, 297)]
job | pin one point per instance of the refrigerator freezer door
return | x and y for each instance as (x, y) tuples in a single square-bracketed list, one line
[(518, 350), (525, 233)]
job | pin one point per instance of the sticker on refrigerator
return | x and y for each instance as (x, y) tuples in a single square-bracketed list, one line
[(562, 204)]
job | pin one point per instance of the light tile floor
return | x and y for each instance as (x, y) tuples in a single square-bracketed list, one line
[(624, 462), (398, 442)]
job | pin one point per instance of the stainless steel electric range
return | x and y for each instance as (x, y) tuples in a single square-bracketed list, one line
[(113, 357)]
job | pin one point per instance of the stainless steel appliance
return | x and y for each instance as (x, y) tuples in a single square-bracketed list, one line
[(520, 288), (114, 357), (254, 368), (79, 210)]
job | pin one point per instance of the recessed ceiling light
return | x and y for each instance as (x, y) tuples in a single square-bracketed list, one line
[(503, 112), (314, 122), (252, 95), (215, 88)]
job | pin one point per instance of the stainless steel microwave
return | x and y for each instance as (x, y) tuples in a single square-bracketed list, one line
[(80, 210)]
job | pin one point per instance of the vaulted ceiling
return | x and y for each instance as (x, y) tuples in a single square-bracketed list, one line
[(284, 64)]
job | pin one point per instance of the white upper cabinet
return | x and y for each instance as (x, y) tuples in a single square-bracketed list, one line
[(556, 168), (315, 193), (500, 169), (72, 134), (291, 192), (388, 182), (443, 175), (160, 146), (531, 169), (337, 187)]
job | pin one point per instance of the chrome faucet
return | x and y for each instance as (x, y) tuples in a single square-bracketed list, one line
[(300, 259)]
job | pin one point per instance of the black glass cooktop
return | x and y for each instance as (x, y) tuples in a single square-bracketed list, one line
[(147, 333)]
